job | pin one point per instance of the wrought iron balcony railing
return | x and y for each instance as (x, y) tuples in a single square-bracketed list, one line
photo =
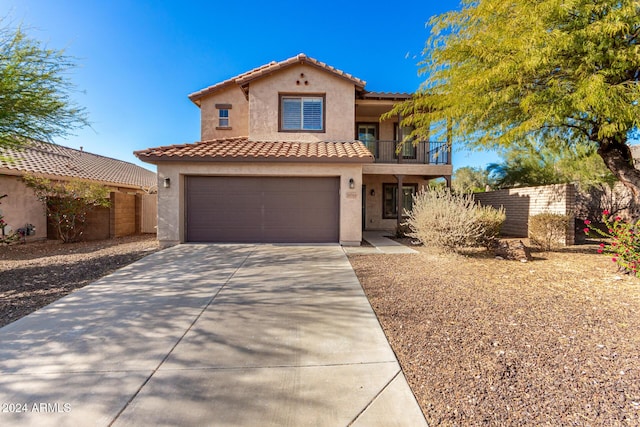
[(424, 152)]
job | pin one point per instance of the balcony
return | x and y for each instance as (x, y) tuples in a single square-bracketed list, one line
[(424, 153)]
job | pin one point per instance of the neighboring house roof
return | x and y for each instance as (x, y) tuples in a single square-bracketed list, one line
[(244, 79), (242, 149), (396, 96), (54, 160)]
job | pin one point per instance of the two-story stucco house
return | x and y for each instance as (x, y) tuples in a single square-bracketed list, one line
[(293, 151)]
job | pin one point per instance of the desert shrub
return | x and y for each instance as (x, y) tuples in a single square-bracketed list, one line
[(548, 230), (451, 221), (68, 203), (491, 220), (402, 230)]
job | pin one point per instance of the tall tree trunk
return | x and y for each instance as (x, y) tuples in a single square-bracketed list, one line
[(617, 156)]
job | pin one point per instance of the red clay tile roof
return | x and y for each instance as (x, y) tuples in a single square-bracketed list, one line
[(57, 161), (243, 150), (245, 78)]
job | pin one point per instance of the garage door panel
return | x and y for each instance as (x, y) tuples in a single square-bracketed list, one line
[(262, 209)]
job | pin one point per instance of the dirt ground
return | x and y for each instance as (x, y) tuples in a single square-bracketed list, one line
[(35, 274), (483, 341)]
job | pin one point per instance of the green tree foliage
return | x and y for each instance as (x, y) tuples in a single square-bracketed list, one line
[(552, 162), (470, 180), (35, 91), (503, 71), (68, 203)]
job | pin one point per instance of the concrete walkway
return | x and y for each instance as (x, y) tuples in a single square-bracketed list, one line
[(380, 244), (218, 335)]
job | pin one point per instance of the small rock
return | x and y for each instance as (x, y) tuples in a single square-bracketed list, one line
[(512, 251)]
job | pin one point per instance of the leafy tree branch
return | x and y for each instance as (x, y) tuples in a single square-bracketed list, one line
[(68, 202), (35, 90), (504, 72)]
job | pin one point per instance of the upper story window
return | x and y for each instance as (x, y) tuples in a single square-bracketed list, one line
[(223, 116), (402, 134), (302, 113)]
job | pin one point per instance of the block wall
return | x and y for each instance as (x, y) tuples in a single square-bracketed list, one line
[(521, 203), (123, 214)]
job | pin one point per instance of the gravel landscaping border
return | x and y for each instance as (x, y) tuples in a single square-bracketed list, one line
[(482, 341), (35, 274)]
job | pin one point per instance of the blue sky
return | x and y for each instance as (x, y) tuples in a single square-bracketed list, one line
[(139, 59)]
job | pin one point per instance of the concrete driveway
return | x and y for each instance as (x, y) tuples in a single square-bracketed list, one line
[(221, 335)]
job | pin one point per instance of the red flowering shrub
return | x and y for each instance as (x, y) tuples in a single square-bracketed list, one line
[(624, 242)]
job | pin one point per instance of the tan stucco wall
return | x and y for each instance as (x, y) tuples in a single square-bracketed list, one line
[(171, 209), (238, 114), (264, 103), (373, 213), (21, 206)]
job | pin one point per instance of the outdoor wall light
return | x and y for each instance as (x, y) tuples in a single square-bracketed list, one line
[(167, 182), (352, 183), (373, 193)]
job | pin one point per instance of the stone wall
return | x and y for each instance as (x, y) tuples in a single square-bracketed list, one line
[(521, 203)]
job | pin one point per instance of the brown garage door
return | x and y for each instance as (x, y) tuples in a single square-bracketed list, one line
[(264, 209)]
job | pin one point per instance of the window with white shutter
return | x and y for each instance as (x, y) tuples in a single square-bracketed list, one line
[(301, 113)]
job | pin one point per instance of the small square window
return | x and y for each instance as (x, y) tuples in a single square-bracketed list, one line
[(223, 118)]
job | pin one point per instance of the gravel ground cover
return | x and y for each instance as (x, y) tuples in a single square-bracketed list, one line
[(35, 274), (555, 341), (482, 341)]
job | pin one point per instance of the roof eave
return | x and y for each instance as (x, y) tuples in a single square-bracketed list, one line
[(266, 70), (155, 159), (244, 82)]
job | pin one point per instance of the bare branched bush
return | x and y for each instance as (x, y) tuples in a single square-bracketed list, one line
[(450, 221), (491, 220)]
